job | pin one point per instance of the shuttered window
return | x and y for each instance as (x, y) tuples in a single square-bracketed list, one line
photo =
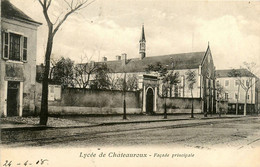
[(24, 48), (14, 46)]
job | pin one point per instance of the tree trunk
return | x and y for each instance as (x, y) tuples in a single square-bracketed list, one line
[(124, 91), (192, 108), (44, 101), (251, 108), (165, 109), (245, 110), (238, 89)]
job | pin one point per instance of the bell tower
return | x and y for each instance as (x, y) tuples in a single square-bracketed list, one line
[(142, 44)]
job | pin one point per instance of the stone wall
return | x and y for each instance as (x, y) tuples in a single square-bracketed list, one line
[(179, 105), (86, 101)]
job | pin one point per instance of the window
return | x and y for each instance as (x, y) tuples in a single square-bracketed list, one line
[(237, 82), (236, 96), (176, 91), (14, 46), (248, 96), (247, 83), (226, 96), (226, 83)]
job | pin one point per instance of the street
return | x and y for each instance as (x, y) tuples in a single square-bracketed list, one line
[(201, 134)]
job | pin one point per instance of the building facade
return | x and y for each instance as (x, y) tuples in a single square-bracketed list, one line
[(235, 88), (199, 62), (18, 61)]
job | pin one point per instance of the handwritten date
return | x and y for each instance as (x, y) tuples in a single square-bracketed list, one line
[(40, 162)]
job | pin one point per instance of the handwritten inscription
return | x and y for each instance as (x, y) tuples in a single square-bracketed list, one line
[(40, 162)]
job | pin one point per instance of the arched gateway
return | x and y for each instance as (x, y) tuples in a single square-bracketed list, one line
[(149, 95), (149, 101)]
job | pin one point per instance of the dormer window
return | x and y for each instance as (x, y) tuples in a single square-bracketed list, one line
[(14, 46)]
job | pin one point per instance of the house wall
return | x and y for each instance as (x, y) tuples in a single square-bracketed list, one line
[(232, 89), (28, 68), (207, 77)]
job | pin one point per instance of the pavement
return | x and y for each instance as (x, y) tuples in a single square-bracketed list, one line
[(31, 123)]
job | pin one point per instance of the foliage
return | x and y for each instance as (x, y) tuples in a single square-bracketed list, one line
[(118, 83), (169, 80), (157, 67), (62, 72), (39, 73), (101, 79), (132, 83), (191, 79)]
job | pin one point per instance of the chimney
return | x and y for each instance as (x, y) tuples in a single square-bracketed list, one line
[(118, 57), (92, 63), (124, 58), (104, 58)]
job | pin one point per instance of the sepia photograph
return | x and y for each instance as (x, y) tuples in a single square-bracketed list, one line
[(133, 83)]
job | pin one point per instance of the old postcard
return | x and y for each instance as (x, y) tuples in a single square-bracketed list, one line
[(130, 83)]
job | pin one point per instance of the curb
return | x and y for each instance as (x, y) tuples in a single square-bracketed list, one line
[(38, 127)]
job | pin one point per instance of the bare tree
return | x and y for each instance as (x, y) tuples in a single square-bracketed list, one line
[(246, 83), (53, 27), (191, 79), (220, 96), (83, 73), (169, 80)]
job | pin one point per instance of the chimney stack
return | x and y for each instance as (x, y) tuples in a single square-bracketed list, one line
[(104, 58), (124, 58), (118, 57), (92, 63)]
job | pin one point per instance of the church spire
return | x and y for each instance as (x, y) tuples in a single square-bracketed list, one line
[(142, 44), (142, 35)]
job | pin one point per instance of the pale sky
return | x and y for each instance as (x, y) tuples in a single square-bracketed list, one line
[(112, 27)]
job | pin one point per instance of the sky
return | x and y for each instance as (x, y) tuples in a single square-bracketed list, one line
[(112, 27)]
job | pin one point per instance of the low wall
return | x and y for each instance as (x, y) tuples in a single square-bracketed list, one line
[(98, 98), (87, 101), (179, 105), (73, 110)]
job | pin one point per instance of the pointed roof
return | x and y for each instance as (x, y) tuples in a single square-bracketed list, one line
[(9, 11), (142, 35)]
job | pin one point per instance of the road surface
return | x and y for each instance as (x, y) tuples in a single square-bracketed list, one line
[(202, 134)]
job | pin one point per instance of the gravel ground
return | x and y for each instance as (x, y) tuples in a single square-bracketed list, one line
[(52, 121)]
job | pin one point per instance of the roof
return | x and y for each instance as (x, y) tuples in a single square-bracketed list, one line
[(9, 11), (177, 61), (227, 73)]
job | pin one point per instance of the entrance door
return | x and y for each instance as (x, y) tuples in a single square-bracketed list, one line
[(149, 101), (12, 99)]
